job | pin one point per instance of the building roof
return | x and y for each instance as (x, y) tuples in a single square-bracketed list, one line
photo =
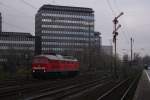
[(57, 57), (66, 8), (16, 34)]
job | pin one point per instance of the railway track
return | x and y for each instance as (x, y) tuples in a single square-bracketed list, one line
[(14, 82), (19, 90), (18, 81), (69, 90), (24, 90), (116, 90), (78, 88), (121, 91)]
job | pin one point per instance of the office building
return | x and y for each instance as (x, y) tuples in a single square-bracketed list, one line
[(63, 29), (97, 41), (0, 23), (15, 41)]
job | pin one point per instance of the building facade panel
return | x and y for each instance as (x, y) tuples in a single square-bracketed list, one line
[(63, 28), (17, 42), (0, 23)]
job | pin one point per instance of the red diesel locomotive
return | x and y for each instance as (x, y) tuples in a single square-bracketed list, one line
[(54, 65)]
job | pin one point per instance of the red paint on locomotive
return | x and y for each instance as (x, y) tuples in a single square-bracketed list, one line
[(54, 64)]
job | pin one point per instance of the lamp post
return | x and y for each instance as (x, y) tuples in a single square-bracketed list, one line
[(115, 34)]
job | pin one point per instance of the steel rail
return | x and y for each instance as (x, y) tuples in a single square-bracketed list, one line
[(30, 88), (69, 89), (130, 87), (111, 90)]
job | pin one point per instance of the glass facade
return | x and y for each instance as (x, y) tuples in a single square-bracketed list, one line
[(15, 41), (97, 41), (0, 23), (63, 29)]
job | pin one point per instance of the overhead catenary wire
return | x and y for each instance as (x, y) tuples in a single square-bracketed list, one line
[(127, 37), (11, 7), (116, 5), (25, 2), (113, 11), (124, 23), (110, 7), (22, 14)]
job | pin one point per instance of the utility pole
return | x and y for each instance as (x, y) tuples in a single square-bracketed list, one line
[(111, 60), (115, 34), (131, 50)]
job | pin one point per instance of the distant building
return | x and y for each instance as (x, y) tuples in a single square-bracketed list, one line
[(0, 23), (63, 29), (107, 49), (17, 41), (97, 40)]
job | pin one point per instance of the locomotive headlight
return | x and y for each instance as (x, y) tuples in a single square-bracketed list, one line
[(33, 70)]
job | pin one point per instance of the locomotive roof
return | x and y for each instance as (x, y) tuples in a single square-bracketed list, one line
[(58, 57)]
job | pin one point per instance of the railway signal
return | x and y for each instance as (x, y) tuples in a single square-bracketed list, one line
[(115, 34)]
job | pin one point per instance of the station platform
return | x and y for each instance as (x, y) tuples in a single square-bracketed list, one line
[(143, 88)]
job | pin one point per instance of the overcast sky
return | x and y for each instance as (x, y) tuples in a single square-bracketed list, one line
[(18, 16)]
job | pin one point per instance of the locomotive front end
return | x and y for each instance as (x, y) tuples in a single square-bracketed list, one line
[(39, 66)]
